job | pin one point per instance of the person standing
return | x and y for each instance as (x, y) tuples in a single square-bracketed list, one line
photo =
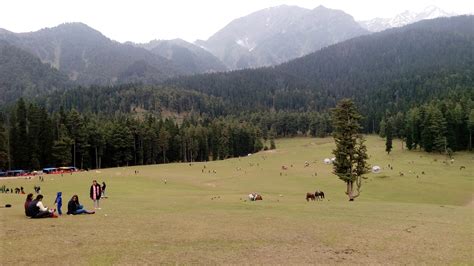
[(95, 194), (103, 189), (59, 202)]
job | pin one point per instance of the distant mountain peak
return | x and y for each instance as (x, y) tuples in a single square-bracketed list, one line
[(274, 35), (404, 18), (321, 7), (73, 27)]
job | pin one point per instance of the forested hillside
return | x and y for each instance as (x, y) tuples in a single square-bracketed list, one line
[(22, 74), (391, 70)]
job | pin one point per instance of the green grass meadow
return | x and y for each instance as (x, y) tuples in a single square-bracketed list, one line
[(201, 214)]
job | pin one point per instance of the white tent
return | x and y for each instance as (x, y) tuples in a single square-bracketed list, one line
[(327, 161), (376, 169)]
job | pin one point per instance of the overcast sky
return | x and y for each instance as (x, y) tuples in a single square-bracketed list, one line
[(144, 20)]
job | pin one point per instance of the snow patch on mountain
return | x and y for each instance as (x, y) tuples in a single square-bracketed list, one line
[(404, 18), (245, 43)]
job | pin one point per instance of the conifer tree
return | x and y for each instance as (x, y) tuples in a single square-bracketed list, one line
[(19, 137), (388, 136), (350, 153), (163, 141), (471, 128), (3, 145)]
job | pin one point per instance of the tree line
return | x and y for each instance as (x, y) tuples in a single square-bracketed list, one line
[(442, 125), (32, 138)]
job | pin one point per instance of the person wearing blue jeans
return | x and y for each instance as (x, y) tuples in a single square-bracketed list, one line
[(59, 202), (74, 207)]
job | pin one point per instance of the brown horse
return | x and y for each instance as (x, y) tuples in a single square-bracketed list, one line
[(310, 196), (258, 197)]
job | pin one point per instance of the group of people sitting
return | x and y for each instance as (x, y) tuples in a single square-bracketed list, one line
[(18, 190), (36, 209)]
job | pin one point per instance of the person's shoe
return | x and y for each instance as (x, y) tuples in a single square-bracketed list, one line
[(91, 212)]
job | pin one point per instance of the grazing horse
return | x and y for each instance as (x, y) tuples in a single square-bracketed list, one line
[(319, 195), (255, 196), (310, 196)]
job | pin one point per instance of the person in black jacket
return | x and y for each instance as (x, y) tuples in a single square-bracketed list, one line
[(74, 207), (103, 189)]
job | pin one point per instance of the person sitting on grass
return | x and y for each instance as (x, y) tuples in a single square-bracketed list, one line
[(74, 207), (36, 209), (29, 198)]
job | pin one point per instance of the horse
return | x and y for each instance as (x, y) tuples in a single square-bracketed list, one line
[(310, 196), (319, 195), (255, 196)]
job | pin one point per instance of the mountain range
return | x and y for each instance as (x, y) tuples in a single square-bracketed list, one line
[(88, 57), (74, 54), (388, 70)]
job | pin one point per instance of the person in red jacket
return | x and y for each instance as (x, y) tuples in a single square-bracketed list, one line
[(95, 194)]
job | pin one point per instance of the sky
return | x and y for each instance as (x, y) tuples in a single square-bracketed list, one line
[(144, 20)]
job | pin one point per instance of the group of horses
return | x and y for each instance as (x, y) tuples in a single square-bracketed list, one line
[(317, 195)]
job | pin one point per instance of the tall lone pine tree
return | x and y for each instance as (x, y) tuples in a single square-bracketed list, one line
[(351, 153), (388, 135)]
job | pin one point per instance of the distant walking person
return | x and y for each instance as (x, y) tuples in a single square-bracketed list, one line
[(95, 193), (103, 189)]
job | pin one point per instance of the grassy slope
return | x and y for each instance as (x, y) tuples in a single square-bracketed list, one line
[(397, 219)]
